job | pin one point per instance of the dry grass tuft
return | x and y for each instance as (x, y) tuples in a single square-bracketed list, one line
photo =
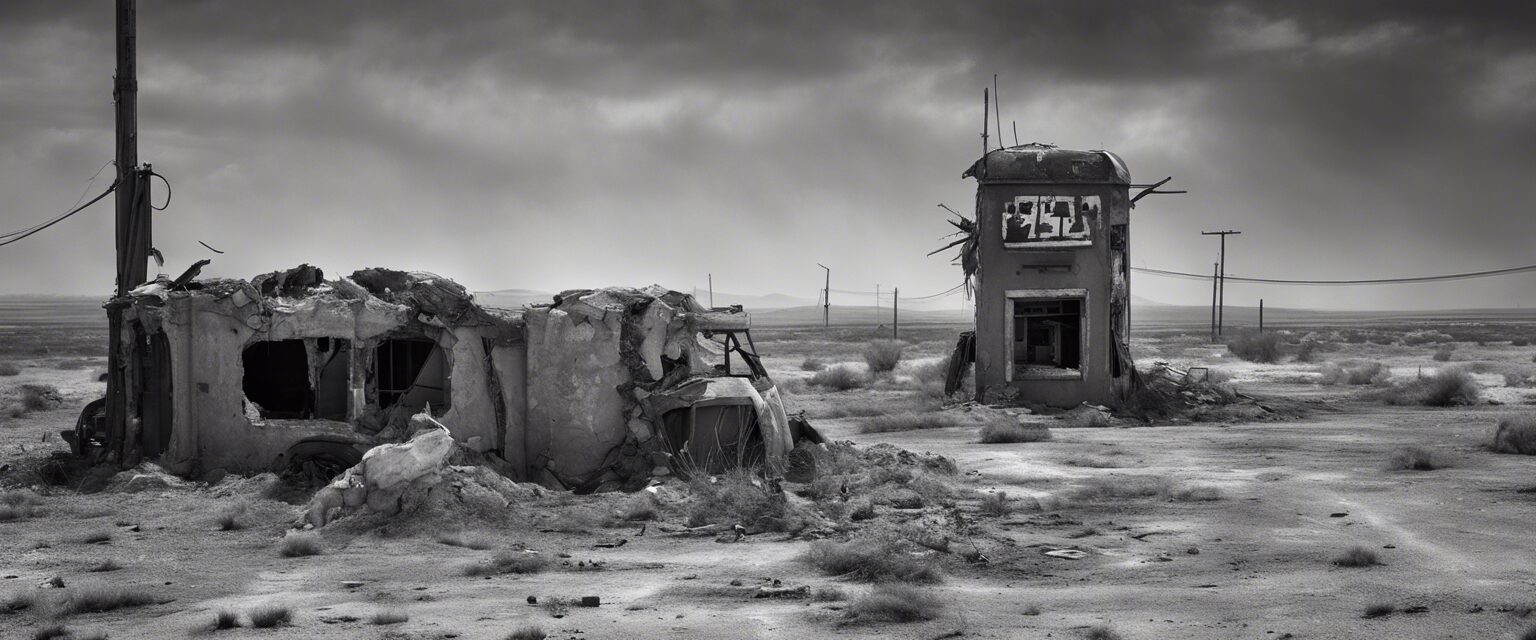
[(229, 519), (1445, 388), (1256, 347), (226, 619), (837, 378), (1357, 557), (19, 504), (18, 602), (1516, 434), (297, 544), (508, 562), (270, 616), (908, 421), (527, 632), (880, 560), (389, 617), (1354, 373), (996, 504), (100, 599), (467, 540), (8, 369), (1101, 632), (1416, 459), (40, 397), (106, 565), (1444, 352), (1379, 609), (51, 632), (828, 594), (1133, 487), (882, 356), (1010, 432), (739, 496), (640, 507), (812, 364), (896, 603)]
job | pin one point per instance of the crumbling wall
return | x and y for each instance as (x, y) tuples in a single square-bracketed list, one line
[(575, 413)]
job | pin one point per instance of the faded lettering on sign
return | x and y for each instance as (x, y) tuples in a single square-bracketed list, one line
[(1045, 220)]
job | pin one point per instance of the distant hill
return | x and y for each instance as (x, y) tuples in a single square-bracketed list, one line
[(859, 316)]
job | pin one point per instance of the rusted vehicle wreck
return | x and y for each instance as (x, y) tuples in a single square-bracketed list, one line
[(600, 389)]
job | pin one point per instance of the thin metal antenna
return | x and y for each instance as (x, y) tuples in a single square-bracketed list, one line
[(985, 121), (1015, 133), (998, 111)]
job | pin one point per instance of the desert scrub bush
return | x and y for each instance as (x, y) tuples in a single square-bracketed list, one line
[(226, 619), (100, 599), (1445, 388), (1354, 373), (270, 616), (18, 602), (739, 497), (52, 632), (19, 504), (1307, 350), (883, 559), (297, 544), (1101, 632), (466, 539), (1516, 379), (1516, 434), (1415, 459), (1256, 347), (389, 617), (908, 421), (40, 397), (1133, 487), (641, 506), (895, 603), (527, 632), (230, 518), (837, 378), (105, 565), (1416, 338), (1006, 432), (882, 356), (812, 364), (508, 562), (996, 504), (7, 369), (1378, 609), (1356, 556), (1444, 352), (1090, 418)]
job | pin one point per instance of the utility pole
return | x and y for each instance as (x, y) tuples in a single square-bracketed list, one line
[(1215, 278), (132, 244), (896, 314), (1261, 315), (1221, 277), (711, 290), (826, 299), (877, 297)]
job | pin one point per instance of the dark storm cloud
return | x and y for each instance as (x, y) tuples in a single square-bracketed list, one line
[(545, 145)]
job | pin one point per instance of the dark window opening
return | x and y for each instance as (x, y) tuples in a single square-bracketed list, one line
[(277, 379), (412, 373), (1047, 334), (735, 358), (298, 379), (713, 438)]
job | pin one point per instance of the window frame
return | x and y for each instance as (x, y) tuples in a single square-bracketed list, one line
[(1012, 372)]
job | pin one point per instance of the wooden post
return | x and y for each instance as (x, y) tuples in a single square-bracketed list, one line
[(711, 290), (896, 313), (826, 299), (1215, 277), (130, 272), (1261, 315)]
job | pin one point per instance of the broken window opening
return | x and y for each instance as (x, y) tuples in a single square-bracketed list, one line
[(276, 378), (736, 359), (713, 438), (299, 378), (411, 372), (1047, 335)]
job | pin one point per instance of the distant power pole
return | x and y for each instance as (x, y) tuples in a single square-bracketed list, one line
[(1221, 277), (711, 290), (896, 313), (1261, 315), (1215, 278), (877, 297), (826, 299)]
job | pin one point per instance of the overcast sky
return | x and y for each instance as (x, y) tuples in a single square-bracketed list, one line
[(576, 144)]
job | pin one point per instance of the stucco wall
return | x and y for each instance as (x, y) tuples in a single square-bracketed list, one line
[(575, 413)]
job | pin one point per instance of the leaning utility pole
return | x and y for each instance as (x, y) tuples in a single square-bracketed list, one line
[(1221, 277), (826, 299), (133, 239)]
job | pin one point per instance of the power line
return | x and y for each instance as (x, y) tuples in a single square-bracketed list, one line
[(29, 233), (1345, 283)]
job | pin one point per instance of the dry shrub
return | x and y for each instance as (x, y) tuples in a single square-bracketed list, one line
[(1088, 418), (828, 594), (40, 397), (739, 496), (297, 544), (1092, 462), (508, 562), (226, 619), (7, 369), (908, 421), (1006, 432), (996, 504), (639, 507), (100, 599), (1516, 434), (389, 617), (1133, 487), (1443, 352), (1416, 338), (1357, 557), (882, 356), (1354, 372), (865, 407), (812, 364), (885, 558), (229, 519), (18, 602), (270, 616), (895, 603), (467, 539), (1445, 388), (1416, 459), (19, 504), (1379, 609), (1256, 347), (105, 565), (1516, 379), (52, 632), (1101, 632), (528, 631), (1520, 342), (837, 378), (1307, 350)]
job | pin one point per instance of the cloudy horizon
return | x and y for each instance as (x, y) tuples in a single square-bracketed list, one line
[(547, 146)]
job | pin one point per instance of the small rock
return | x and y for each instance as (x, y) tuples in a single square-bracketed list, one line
[(533, 599), (591, 601), (736, 583), (352, 584), (1194, 551)]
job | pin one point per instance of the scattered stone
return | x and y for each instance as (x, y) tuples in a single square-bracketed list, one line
[(533, 599), (590, 601), (783, 592), (352, 584)]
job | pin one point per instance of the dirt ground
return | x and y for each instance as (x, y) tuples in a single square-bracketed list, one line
[(1252, 559)]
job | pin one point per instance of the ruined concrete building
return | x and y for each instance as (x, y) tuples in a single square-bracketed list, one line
[(1052, 232), (599, 389)]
